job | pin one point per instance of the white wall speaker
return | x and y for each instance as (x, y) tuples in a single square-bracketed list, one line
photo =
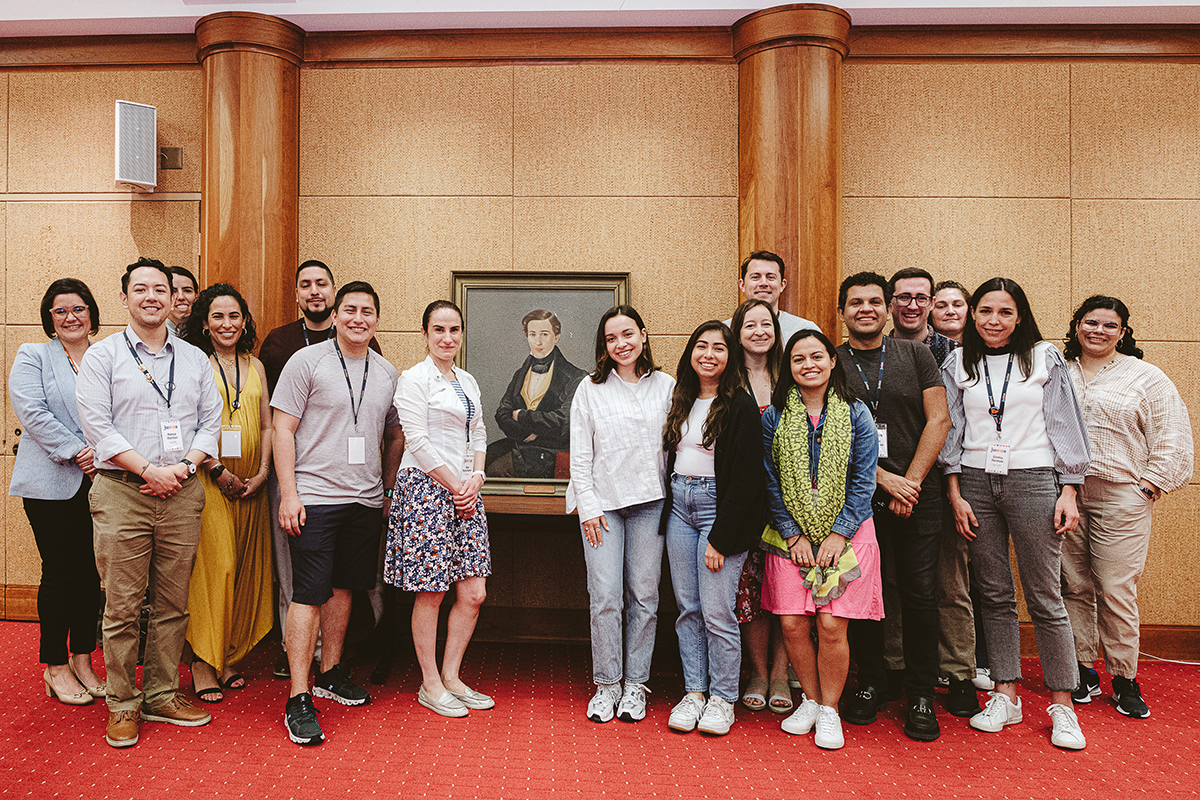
[(137, 145)]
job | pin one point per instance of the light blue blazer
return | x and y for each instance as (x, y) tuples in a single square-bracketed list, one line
[(42, 388)]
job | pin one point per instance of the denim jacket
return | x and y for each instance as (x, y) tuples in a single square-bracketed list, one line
[(860, 477)]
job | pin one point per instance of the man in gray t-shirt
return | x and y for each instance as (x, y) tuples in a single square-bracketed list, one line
[(336, 435)]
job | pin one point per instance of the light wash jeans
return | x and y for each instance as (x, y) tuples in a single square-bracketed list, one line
[(623, 574), (1020, 505), (710, 643)]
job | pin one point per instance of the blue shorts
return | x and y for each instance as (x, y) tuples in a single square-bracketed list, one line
[(338, 547)]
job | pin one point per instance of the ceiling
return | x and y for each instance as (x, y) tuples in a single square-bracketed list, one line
[(79, 17)]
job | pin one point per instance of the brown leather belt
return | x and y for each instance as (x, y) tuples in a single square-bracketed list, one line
[(123, 475)]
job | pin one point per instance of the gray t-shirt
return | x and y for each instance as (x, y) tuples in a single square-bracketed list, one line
[(312, 387)]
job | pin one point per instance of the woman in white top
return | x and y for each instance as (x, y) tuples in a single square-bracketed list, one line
[(437, 530), (1141, 438), (1016, 454), (617, 465)]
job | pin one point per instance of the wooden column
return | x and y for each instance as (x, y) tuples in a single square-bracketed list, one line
[(249, 209), (790, 148)]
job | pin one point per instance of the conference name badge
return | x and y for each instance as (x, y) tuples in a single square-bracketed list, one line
[(172, 435), (997, 458), (358, 450), (882, 430), (231, 441)]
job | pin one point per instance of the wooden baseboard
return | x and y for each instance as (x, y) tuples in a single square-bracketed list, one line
[(1172, 642), (20, 602)]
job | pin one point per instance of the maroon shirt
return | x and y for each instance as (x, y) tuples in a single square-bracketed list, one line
[(285, 341)]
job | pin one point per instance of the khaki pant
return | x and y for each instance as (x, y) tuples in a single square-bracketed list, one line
[(144, 541), (956, 644), (1102, 560)]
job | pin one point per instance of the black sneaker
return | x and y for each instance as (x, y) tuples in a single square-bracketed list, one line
[(336, 685), (863, 708), (922, 724), (1128, 695), (300, 718), (1089, 685), (962, 700)]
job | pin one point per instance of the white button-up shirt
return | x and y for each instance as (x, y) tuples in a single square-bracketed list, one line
[(119, 410), (617, 458), (436, 429)]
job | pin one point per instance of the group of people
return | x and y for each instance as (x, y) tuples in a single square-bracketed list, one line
[(817, 503)]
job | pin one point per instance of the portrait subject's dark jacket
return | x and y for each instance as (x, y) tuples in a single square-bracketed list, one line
[(551, 422)]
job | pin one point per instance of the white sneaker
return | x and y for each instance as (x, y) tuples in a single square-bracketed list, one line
[(717, 718), (983, 680), (686, 713), (829, 729), (998, 712), (802, 719), (632, 707), (1067, 733), (604, 702)]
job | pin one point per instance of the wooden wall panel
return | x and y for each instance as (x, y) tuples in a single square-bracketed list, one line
[(62, 125), (406, 247), (1145, 251), (22, 563), (406, 131), (1167, 591), (968, 240), (682, 252), (954, 130), (1178, 361), (1135, 129), (625, 129), (3, 132), (93, 242), (402, 349)]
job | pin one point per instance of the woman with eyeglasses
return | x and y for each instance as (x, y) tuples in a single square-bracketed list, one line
[(52, 473), (1141, 439)]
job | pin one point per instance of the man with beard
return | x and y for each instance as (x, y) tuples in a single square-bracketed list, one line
[(315, 290)]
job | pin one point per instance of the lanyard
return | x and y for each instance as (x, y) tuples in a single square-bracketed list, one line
[(149, 377), (873, 403), (74, 366), (304, 328), (237, 381), (362, 392), (997, 412)]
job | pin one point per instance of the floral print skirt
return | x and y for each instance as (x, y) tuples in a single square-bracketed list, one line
[(428, 546)]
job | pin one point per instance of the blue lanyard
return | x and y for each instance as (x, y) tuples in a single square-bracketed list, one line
[(872, 403), (997, 412), (149, 377), (362, 392)]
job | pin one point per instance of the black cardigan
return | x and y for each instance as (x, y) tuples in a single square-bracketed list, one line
[(741, 481)]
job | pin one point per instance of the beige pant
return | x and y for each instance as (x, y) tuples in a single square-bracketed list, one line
[(1102, 560), (956, 643), (144, 541)]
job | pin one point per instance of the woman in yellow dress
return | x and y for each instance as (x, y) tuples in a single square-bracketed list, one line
[(230, 597)]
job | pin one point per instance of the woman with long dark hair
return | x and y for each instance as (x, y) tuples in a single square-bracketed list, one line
[(820, 450), (760, 343), (1141, 438), (230, 595), (617, 467), (52, 474), (1015, 456), (712, 515)]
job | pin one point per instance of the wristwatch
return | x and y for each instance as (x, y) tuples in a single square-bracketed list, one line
[(191, 467), (1148, 492), (389, 493)]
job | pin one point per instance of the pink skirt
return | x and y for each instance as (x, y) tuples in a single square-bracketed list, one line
[(783, 589)]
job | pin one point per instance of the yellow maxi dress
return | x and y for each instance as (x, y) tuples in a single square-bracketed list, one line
[(230, 597)]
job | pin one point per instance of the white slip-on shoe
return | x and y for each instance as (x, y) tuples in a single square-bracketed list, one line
[(983, 680), (829, 729), (632, 707), (447, 705), (476, 701), (998, 712), (1066, 732), (603, 704), (717, 718), (802, 719), (686, 713)]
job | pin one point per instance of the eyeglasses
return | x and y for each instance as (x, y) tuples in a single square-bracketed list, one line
[(1093, 324), (921, 300), (61, 313)]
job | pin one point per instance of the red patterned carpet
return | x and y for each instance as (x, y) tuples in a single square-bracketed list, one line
[(537, 743)]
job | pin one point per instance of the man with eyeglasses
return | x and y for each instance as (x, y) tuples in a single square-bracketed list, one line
[(912, 300)]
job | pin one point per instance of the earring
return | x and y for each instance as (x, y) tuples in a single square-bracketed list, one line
[(206, 332)]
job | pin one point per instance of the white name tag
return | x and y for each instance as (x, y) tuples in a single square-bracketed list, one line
[(882, 429), (358, 450), (231, 442), (997, 459), (172, 435)]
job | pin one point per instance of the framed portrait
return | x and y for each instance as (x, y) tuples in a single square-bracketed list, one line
[(529, 340)]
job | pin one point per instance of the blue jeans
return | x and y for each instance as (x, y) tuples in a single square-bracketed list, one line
[(710, 643), (623, 574)]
